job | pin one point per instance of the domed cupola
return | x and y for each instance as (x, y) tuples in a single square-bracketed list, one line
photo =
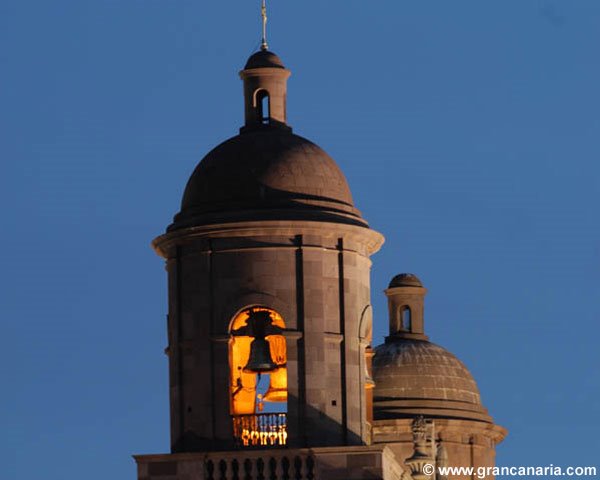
[(414, 376), (271, 370), (266, 172), (269, 289)]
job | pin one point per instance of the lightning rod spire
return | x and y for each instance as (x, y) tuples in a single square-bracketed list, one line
[(263, 11)]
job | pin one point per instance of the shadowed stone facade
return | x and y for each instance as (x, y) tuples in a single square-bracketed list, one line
[(317, 280), (267, 222)]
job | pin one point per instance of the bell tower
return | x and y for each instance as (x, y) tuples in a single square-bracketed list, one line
[(268, 267), (271, 370)]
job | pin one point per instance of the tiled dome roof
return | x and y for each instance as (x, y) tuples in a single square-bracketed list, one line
[(416, 377), (267, 174)]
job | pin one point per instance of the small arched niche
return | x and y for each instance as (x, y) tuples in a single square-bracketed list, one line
[(405, 319), (258, 377), (262, 104)]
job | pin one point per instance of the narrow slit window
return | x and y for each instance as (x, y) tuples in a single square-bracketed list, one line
[(263, 106), (266, 109), (406, 319)]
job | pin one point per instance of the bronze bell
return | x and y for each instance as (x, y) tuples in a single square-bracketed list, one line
[(260, 357)]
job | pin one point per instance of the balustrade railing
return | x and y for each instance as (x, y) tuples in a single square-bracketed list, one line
[(297, 467), (260, 430)]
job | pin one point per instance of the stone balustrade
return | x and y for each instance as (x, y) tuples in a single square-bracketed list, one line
[(327, 463)]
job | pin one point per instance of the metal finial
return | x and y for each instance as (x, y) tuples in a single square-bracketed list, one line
[(263, 11)]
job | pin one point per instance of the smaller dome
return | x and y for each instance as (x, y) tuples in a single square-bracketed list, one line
[(263, 59), (416, 377), (405, 280)]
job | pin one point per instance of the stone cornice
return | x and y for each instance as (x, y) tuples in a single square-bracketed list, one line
[(370, 239)]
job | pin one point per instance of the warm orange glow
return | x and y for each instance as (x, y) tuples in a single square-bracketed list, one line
[(278, 349), (262, 430), (254, 438), (277, 391), (243, 384), (241, 319)]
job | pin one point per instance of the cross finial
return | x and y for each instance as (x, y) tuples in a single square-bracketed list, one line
[(263, 11)]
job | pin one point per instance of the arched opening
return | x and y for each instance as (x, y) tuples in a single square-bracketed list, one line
[(258, 374), (262, 103), (405, 319)]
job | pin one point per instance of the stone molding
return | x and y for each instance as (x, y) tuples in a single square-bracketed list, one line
[(370, 240)]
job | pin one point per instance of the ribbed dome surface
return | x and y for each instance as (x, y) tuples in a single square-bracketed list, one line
[(271, 173), (415, 377)]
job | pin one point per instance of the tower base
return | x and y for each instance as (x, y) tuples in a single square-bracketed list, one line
[(329, 463)]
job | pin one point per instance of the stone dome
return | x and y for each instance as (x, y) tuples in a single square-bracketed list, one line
[(263, 174), (264, 59), (405, 280), (416, 377)]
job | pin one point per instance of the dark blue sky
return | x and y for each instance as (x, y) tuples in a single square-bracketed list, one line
[(469, 134)]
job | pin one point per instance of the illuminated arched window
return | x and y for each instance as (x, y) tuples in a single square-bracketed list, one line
[(257, 360)]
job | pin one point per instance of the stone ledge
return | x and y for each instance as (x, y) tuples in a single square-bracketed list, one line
[(376, 462)]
